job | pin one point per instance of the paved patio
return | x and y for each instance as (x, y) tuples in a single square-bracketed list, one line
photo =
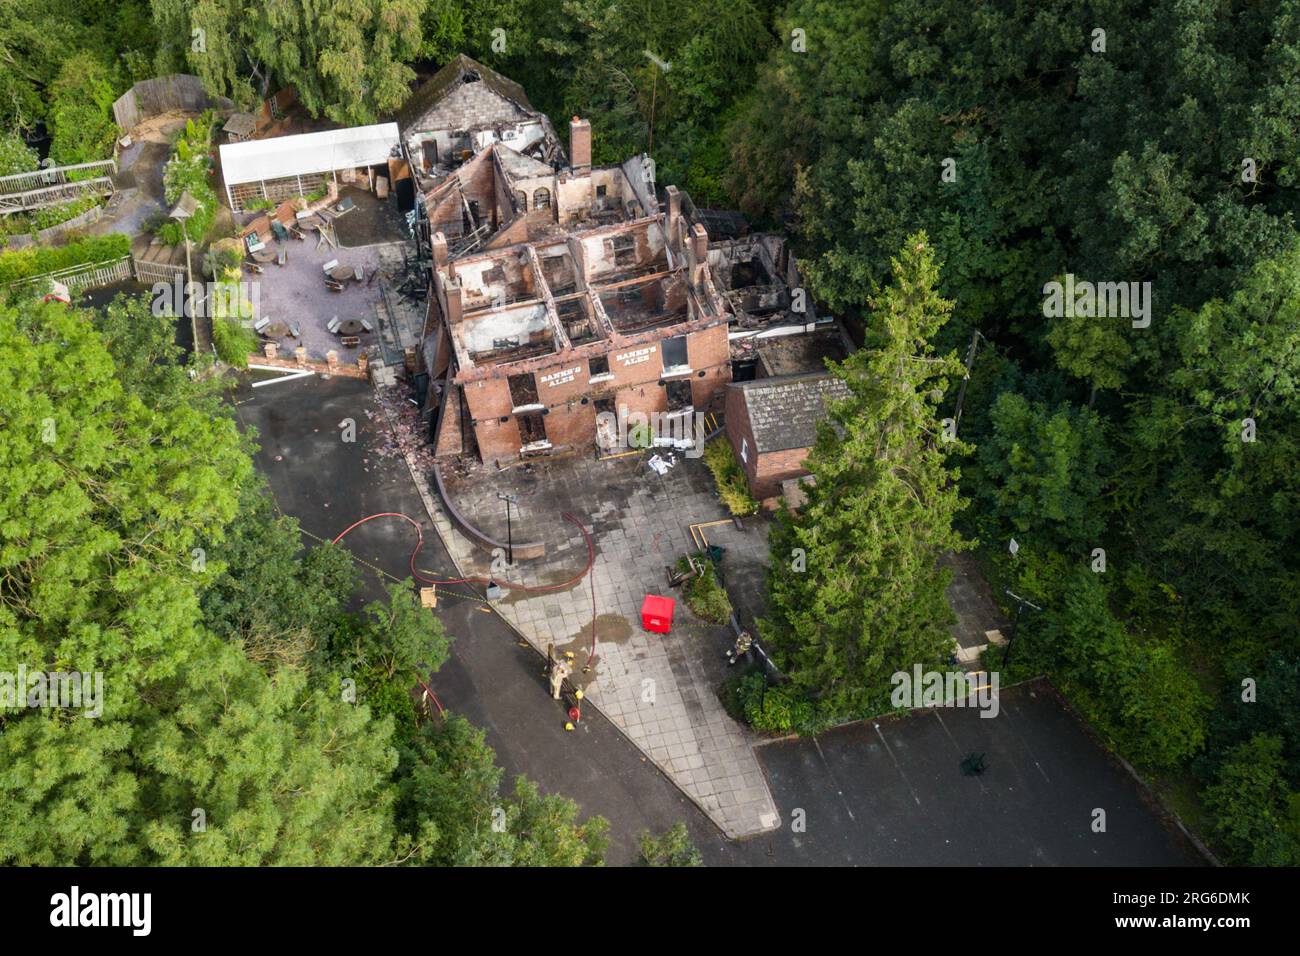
[(296, 294), (660, 690)]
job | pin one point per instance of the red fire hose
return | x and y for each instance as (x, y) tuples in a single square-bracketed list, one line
[(563, 585)]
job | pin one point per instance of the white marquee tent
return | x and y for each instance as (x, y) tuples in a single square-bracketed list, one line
[(290, 159)]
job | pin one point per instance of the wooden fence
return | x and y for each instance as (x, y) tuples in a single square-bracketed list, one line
[(93, 274), (149, 98), (56, 176), (54, 234)]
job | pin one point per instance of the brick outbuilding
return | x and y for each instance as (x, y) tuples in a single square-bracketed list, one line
[(772, 424)]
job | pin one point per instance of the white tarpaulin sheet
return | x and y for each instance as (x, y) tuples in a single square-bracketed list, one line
[(307, 153)]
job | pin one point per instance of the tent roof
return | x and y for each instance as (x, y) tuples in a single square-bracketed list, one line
[(308, 153)]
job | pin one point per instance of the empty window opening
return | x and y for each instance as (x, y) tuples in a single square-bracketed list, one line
[(541, 198), (523, 390), (622, 249), (521, 200), (679, 395), (675, 352), (532, 428), (598, 365), (744, 370)]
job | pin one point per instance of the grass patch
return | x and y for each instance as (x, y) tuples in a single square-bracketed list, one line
[(733, 488)]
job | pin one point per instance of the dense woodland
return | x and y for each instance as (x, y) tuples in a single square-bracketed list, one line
[(935, 164)]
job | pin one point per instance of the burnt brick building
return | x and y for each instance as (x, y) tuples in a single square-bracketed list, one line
[(559, 294)]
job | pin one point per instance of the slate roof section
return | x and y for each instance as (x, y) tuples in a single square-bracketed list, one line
[(784, 411), (240, 124), (431, 92)]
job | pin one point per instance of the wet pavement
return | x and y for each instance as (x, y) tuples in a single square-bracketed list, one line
[(860, 794), (659, 689)]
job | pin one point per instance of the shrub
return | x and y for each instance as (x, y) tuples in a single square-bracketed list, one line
[(55, 215), (705, 596), (672, 848), (778, 709), (81, 111), (233, 342), (733, 487), (15, 155), (18, 264), (187, 172)]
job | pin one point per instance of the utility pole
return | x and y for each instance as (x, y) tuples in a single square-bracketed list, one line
[(510, 539), (1015, 621)]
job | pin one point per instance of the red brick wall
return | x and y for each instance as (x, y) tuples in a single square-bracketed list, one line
[(765, 471), (741, 435), (775, 467), (708, 351), (564, 380)]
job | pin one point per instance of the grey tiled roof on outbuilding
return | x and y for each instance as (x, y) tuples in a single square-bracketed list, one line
[(240, 124), (784, 411)]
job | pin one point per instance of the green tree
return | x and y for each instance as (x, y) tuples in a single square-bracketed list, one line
[(452, 807), (1042, 473), (399, 637), (81, 110), (262, 588), (856, 590), (1257, 816)]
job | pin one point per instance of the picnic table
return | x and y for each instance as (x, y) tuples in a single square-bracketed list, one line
[(342, 273), (264, 255), (351, 327)]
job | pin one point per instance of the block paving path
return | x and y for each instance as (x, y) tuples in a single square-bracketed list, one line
[(660, 690)]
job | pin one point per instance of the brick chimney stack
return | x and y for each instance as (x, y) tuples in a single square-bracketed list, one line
[(580, 146), (439, 250), (674, 210), (700, 243), (455, 307)]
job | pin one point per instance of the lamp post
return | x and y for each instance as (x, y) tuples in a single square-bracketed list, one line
[(186, 206), (1015, 621), (510, 540)]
